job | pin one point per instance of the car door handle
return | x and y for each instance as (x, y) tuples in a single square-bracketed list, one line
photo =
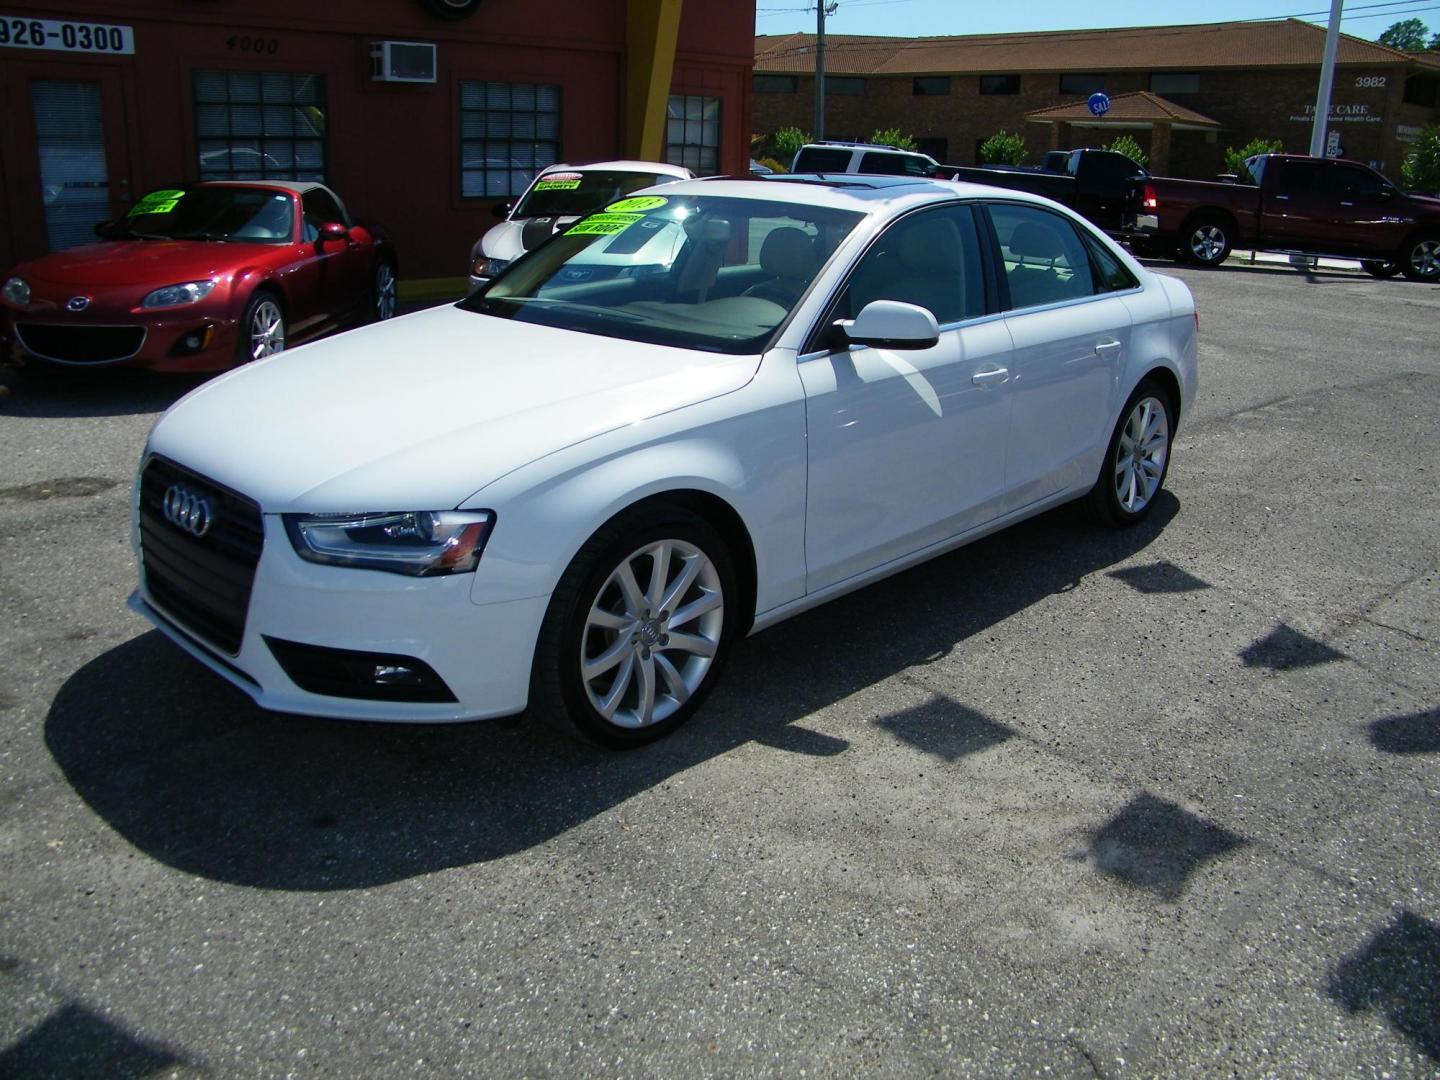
[(1344, 203), (1107, 348), (993, 377)]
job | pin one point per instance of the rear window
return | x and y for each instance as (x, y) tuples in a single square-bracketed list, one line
[(822, 159), (574, 194), (883, 164)]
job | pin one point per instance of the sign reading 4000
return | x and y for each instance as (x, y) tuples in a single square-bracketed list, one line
[(17, 33)]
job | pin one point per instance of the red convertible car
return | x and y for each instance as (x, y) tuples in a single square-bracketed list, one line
[(201, 278)]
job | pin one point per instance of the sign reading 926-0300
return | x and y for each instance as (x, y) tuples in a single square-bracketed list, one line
[(90, 37)]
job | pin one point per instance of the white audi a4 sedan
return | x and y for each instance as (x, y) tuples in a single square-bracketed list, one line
[(702, 410)]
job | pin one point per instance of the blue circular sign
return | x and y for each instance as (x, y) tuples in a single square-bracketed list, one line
[(1099, 104)]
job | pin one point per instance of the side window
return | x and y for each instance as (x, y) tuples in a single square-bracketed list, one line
[(1044, 259), (1111, 274), (1349, 182), (319, 207), (882, 164), (931, 259), (822, 160), (1301, 177)]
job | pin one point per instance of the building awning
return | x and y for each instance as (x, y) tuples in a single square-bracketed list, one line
[(1140, 109)]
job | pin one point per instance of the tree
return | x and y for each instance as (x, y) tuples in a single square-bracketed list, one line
[(892, 137), (1407, 36), (1125, 144), (1002, 148), (1434, 45), (1421, 169), (788, 141), (1235, 159)]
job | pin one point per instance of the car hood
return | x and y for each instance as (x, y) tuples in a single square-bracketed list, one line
[(419, 413), (508, 240), (138, 262)]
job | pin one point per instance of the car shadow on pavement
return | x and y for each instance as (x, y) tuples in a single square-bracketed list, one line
[(191, 772), (78, 392), (1396, 974)]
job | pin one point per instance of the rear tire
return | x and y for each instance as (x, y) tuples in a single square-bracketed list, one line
[(637, 630), (382, 299), (1380, 268), (1137, 459), (1420, 258), (1206, 240)]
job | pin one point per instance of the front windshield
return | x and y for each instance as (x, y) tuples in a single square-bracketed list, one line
[(695, 271), (251, 215), (574, 194)]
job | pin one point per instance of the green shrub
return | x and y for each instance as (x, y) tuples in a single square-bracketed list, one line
[(772, 163), (1002, 148), (1125, 144), (788, 141), (1235, 159), (892, 137), (1421, 168)]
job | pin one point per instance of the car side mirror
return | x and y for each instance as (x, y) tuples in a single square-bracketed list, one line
[(890, 324), (502, 210), (333, 230)]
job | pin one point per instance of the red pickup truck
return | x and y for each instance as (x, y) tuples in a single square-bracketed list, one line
[(1314, 206)]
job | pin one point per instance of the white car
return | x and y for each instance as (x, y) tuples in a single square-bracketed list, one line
[(576, 495), (557, 198)]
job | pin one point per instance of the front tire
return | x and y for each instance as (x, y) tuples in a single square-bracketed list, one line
[(1136, 460), (1420, 259), (637, 630), (1206, 241), (1380, 268), (262, 329)]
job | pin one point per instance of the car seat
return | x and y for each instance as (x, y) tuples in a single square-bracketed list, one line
[(788, 256)]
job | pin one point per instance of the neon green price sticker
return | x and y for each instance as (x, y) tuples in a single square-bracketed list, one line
[(636, 205), (557, 185), (157, 202), (603, 224)]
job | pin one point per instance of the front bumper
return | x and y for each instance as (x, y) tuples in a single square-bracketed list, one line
[(120, 339), (481, 652)]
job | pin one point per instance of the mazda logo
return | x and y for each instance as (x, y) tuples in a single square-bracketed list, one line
[(77, 303), (188, 510)]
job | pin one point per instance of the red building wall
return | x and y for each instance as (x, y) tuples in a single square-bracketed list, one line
[(392, 149)]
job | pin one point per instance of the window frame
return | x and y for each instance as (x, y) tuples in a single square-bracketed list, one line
[(790, 82), (256, 143), (934, 82), (484, 171), (1096, 86), (1195, 75), (856, 83), (686, 122)]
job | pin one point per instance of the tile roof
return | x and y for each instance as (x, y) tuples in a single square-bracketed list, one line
[(1284, 43), (1126, 108)]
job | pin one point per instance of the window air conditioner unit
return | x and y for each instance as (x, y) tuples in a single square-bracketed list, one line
[(402, 61)]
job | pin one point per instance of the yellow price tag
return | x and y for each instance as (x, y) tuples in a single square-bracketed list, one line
[(603, 224), (557, 185), (157, 202), (639, 203)]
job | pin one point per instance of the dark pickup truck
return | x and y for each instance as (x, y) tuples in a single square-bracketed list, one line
[(1311, 206), (1097, 184)]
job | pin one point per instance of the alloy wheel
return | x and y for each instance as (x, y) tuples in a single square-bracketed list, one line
[(652, 633), (267, 330), (384, 291), (1207, 242), (1140, 455), (1425, 259)]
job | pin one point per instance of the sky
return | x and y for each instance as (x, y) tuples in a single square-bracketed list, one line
[(913, 18)]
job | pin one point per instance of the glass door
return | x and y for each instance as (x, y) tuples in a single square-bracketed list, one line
[(70, 141)]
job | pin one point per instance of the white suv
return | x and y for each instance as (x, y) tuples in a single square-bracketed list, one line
[(871, 158)]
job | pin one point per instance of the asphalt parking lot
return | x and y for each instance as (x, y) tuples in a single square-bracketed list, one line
[(1162, 802)]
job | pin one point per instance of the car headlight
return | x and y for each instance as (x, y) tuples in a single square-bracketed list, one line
[(489, 267), (419, 543), (173, 295), (16, 291)]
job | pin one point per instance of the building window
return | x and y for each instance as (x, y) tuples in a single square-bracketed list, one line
[(508, 133), (931, 86), (844, 85), (253, 125), (775, 84), (1081, 84), (692, 133), (999, 84), (1175, 82), (1422, 90)]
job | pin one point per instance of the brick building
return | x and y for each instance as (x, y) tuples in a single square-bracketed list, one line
[(105, 99), (1184, 93)]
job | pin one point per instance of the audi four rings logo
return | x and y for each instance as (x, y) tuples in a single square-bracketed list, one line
[(78, 303), (187, 510)]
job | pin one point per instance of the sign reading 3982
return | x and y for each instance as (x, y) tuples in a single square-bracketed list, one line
[(61, 36)]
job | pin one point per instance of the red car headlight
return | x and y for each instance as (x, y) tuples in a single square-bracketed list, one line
[(187, 292)]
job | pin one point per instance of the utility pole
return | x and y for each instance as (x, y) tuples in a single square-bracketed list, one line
[(820, 13), (1327, 81)]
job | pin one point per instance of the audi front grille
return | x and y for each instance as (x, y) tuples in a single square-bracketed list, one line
[(199, 568), (81, 344)]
